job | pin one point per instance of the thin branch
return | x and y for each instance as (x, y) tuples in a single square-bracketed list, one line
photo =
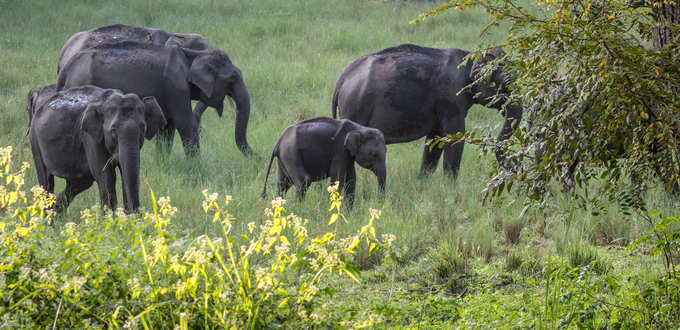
[(56, 315)]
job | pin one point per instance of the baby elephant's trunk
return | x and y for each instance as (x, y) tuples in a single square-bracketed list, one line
[(381, 172)]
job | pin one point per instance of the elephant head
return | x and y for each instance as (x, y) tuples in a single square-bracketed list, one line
[(492, 92), (119, 123), (367, 146), (215, 76)]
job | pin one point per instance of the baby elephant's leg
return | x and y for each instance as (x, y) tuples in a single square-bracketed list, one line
[(346, 176), (283, 181), (301, 185), (301, 179)]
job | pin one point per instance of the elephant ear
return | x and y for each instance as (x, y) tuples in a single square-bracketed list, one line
[(187, 40), (203, 75), (30, 102), (30, 105), (92, 121), (485, 89), (352, 142), (153, 115), (344, 123), (491, 54)]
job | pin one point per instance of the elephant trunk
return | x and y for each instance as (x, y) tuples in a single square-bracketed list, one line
[(128, 158), (242, 100), (381, 172), (513, 115)]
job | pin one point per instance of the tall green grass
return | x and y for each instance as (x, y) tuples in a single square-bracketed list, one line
[(290, 53)]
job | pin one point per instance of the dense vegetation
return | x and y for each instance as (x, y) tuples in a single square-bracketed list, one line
[(456, 261)]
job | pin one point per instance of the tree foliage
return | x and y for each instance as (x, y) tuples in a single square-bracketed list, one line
[(601, 100)]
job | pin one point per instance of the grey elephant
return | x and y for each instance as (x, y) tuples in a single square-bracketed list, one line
[(173, 75), (409, 91), (36, 98), (121, 32), (318, 148), (84, 133)]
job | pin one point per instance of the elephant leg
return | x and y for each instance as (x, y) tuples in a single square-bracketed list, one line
[(107, 188), (283, 181), (188, 131), (301, 185), (199, 109), (430, 158), (345, 174), (165, 138), (50, 184), (44, 178), (73, 188), (349, 185), (291, 165), (453, 153)]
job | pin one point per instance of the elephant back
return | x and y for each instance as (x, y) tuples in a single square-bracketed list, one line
[(77, 98), (122, 32)]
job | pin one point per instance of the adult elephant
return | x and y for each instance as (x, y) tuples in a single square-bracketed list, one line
[(122, 32), (409, 91), (84, 133), (173, 75)]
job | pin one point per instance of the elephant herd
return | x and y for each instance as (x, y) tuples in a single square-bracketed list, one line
[(118, 85)]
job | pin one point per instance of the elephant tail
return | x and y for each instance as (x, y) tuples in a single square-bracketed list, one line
[(275, 153), (336, 91)]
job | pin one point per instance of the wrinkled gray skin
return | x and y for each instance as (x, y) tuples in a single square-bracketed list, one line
[(82, 134), (173, 75), (36, 98), (123, 32), (409, 91), (120, 32), (318, 148)]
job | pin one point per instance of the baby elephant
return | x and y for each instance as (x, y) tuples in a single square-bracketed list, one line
[(82, 134), (322, 147)]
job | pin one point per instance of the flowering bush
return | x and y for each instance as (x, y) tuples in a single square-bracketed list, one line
[(113, 270)]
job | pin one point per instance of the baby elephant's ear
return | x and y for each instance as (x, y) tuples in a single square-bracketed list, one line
[(92, 121), (352, 141), (153, 115)]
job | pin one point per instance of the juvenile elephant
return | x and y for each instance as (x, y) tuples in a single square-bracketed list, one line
[(318, 148), (82, 134), (173, 75), (36, 98), (410, 91)]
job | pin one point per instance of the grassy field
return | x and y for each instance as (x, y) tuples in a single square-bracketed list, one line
[(291, 53)]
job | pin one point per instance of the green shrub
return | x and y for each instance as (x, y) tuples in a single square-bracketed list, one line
[(513, 260), (113, 270), (450, 267), (512, 229), (584, 255), (479, 240)]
